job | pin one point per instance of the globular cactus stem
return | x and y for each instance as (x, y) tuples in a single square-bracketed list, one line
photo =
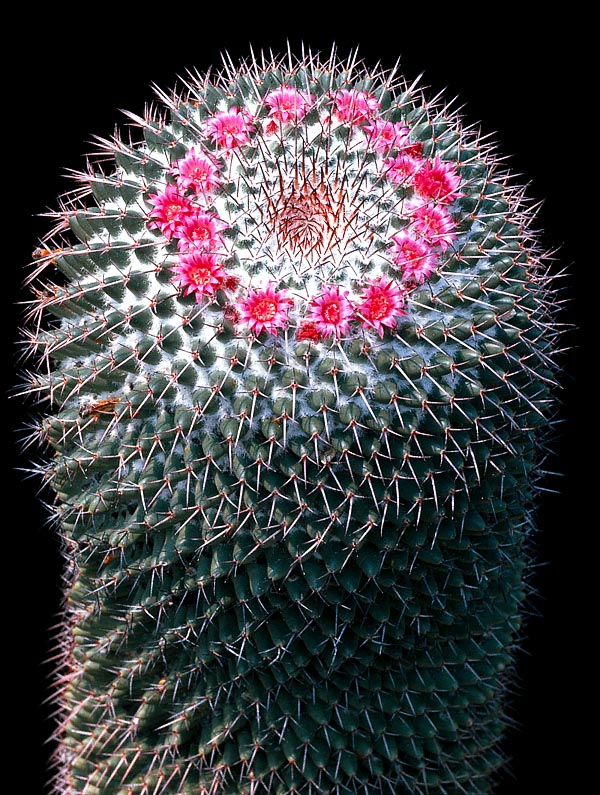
[(297, 347)]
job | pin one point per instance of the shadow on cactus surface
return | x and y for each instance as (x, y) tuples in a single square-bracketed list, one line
[(296, 345)]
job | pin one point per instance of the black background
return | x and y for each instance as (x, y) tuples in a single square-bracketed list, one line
[(523, 85)]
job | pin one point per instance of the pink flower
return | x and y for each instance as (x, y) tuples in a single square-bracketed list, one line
[(385, 135), (437, 180), (265, 309), (401, 168), (288, 105), (199, 273), (414, 257), (170, 208), (331, 312), (433, 224), (196, 171), (354, 107), (201, 230), (229, 128), (382, 303)]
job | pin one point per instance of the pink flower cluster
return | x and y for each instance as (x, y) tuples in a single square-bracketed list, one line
[(354, 107), (430, 228), (181, 213), (182, 210), (431, 185), (184, 213), (379, 307), (329, 314)]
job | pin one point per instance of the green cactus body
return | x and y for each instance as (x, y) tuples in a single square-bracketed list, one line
[(299, 367)]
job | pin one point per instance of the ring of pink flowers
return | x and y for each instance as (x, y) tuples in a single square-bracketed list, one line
[(430, 222)]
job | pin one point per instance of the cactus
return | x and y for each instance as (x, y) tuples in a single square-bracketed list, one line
[(298, 367)]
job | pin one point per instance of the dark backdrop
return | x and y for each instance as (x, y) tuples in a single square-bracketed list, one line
[(66, 82)]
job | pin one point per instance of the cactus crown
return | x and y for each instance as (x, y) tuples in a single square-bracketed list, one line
[(299, 376)]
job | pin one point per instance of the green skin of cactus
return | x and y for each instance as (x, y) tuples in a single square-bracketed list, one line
[(294, 565)]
